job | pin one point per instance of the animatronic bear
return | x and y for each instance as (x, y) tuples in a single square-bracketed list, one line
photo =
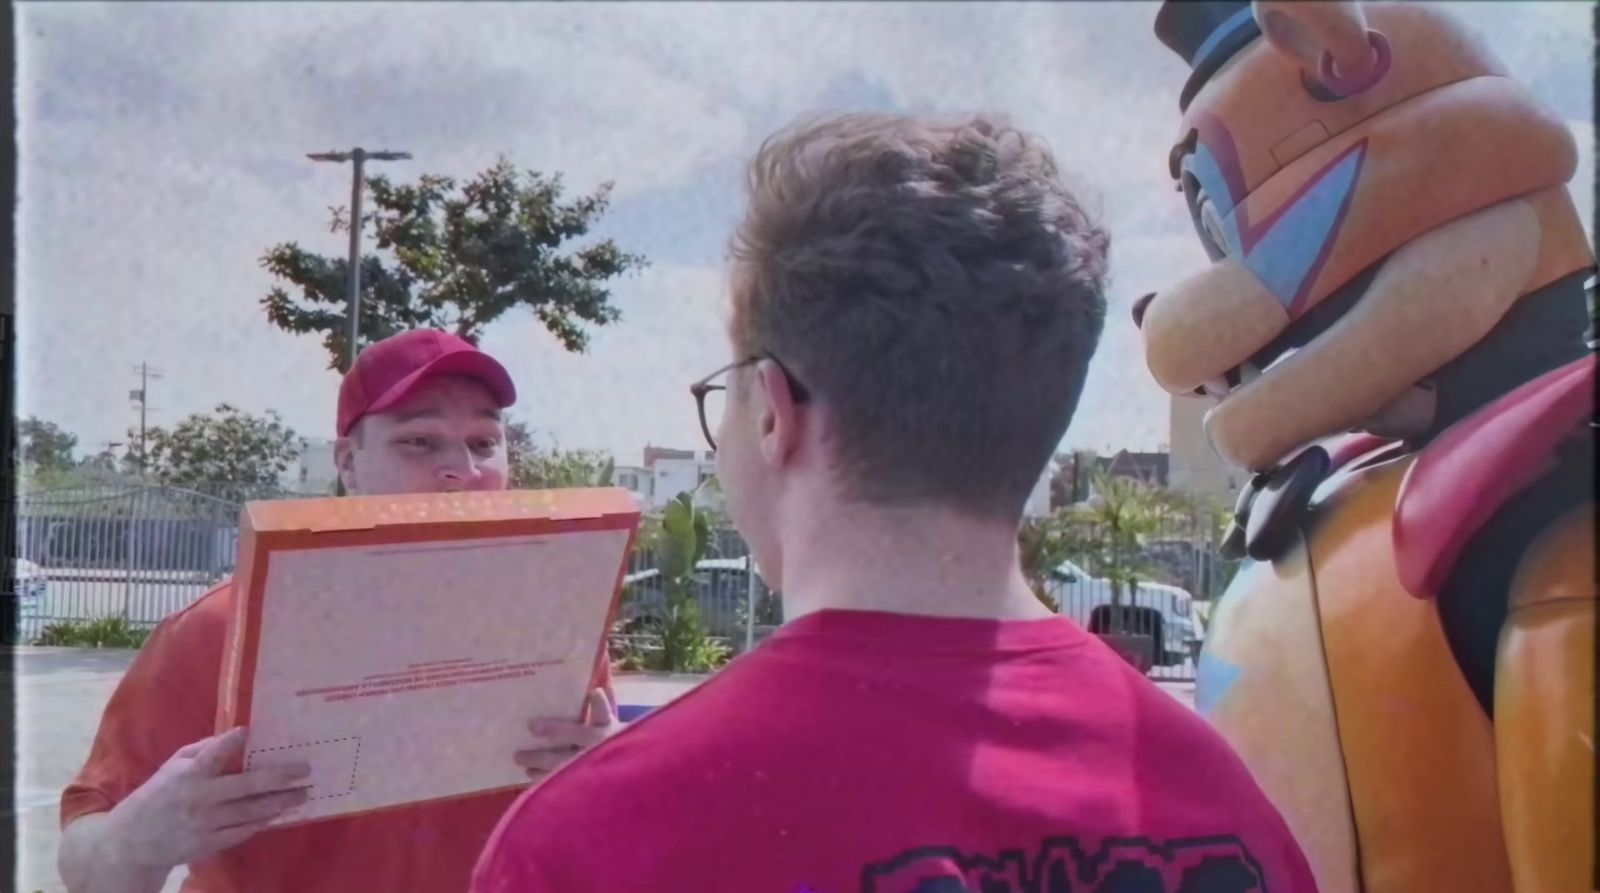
[(1394, 326)]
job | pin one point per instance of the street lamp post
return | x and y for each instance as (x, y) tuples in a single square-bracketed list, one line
[(358, 158)]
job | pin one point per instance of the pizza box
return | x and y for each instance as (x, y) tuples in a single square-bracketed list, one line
[(401, 644)]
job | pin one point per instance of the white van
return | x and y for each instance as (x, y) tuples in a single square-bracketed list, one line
[(1078, 593)]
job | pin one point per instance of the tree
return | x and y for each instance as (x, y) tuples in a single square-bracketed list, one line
[(457, 260), (1044, 543), (519, 441), (681, 541), (539, 468), (225, 446), (105, 460), (1040, 549), (45, 445), (556, 468), (1124, 513)]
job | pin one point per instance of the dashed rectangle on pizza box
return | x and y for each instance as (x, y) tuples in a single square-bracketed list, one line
[(334, 763)]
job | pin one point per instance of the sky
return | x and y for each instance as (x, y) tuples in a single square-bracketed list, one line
[(162, 151)]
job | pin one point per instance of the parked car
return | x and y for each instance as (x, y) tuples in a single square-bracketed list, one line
[(720, 591), (1078, 593), (31, 583)]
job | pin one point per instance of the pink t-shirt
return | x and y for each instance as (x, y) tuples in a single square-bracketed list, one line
[(861, 751)]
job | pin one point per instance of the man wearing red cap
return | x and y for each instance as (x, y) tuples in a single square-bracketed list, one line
[(418, 413)]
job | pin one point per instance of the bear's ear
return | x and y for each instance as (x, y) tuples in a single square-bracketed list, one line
[(1327, 39)]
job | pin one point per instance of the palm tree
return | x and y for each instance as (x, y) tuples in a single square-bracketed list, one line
[(1125, 511), (1044, 543), (1039, 551)]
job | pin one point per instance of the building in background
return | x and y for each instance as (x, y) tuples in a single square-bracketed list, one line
[(667, 472), (1039, 500), (664, 474), (676, 471), (1151, 468), (636, 480), (1194, 467), (313, 471)]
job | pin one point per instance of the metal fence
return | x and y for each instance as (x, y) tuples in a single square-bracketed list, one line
[(723, 588), (122, 550), (146, 552), (1150, 599), (1149, 594)]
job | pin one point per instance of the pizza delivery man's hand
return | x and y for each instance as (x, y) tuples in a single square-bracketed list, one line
[(188, 810), (555, 741)]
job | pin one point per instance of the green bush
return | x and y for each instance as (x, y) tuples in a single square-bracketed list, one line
[(682, 541), (679, 641), (685, 646), (103, 632)]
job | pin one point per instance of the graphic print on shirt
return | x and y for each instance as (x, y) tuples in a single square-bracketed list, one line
[(1062, 865)]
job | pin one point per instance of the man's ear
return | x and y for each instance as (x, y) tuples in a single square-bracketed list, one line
[(778, 414), (344, 460)]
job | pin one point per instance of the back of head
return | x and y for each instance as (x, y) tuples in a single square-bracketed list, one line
[(938, 288)]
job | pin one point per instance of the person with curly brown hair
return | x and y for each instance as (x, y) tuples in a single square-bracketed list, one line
[(914, 307)]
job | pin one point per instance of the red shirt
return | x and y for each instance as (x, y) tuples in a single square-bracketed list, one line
[(168, 699), (862, 751)]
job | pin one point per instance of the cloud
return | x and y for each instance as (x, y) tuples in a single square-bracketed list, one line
[(162, 151), (275, 81), (633, 383)]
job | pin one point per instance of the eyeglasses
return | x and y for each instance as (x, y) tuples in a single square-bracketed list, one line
[(709, 397)]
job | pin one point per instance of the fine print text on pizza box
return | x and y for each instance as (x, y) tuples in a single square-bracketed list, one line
[(399, 645)]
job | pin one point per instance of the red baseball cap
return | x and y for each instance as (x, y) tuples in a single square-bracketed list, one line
[(388, 372)]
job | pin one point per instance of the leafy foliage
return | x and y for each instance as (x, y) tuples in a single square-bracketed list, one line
[(1040, 548), (548, 468), (458, 259), (104, 461), (225, 445), (1125, 511), (104, 632), (681, 543), (86, 475), (769, 610), (556, 468), (678, 539), (684, 536), (1044, 543), (45, 445), (712, 502)]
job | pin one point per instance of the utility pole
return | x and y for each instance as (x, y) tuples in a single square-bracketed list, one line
[(131, 558), (140, 396), (358, 158)]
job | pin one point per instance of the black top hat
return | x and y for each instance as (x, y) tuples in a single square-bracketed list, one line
[(1206, 33)]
